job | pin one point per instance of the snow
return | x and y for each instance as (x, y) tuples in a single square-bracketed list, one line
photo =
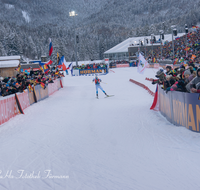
[(26, 16), (6, 64), (96, 144)]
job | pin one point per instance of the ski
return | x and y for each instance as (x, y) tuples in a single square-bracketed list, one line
[(109, 96)]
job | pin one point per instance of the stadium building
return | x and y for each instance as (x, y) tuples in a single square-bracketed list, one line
[(127, 49)]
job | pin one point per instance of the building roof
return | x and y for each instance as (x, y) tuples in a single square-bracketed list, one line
[(134, 41), (7, 64)]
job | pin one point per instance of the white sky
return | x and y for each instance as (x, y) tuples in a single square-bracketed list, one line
[(113, 143)]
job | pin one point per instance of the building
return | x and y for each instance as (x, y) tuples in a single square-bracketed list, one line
[(127, 49), (8, 64)]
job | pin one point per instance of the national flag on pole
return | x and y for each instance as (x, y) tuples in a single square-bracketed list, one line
[(62, 63), (50, 47), (193, 56), (69, 66), (155, 105), (142, 65)]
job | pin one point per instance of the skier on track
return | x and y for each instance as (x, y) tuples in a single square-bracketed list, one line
[(98, 86)]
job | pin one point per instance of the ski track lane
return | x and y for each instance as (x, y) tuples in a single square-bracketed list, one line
[(101, 144)]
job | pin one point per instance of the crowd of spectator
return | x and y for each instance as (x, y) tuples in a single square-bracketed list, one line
[(183, 49), (131, 63), (24, 80), (91, 66), (183, 79)]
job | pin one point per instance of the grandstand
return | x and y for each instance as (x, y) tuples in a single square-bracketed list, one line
[(127, 49)]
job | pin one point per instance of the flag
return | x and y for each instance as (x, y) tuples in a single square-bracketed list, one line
[(142, 65), (62, 63), (49, 62), (18, 68), (57, 72), (30, 88), (154, 60), (187, 48), (58, 58), (193, 56), (155, 105), (69, 66), (50, 47), (178, 38), (195, 26), (175, 61), (41, 69), (181, 60), (46, 69), (42, 85), (46, 63)]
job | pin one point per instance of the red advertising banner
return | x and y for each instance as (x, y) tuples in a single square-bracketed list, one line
[(52, 87), (24, 99), (122, 65), (8, 108)]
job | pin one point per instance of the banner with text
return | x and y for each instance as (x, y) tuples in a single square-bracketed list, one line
[(181, 109)]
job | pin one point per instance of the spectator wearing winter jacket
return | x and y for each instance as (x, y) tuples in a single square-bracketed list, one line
[(193, 84), (169, 70)]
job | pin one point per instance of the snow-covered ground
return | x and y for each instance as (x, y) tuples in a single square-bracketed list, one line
[(113, 143)]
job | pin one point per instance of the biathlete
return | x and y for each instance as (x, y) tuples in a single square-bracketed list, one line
[(98, 86)]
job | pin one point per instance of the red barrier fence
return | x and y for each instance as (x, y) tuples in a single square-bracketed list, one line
[(143, 86), (24, 99), (122, 65), (9, 107), (52, 87)]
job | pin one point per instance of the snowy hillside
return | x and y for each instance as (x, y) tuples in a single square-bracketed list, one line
[(72, 140), (27, 25)]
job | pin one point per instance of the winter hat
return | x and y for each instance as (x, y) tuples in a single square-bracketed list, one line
[(187, 72), (159, 72), (168, 67)]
